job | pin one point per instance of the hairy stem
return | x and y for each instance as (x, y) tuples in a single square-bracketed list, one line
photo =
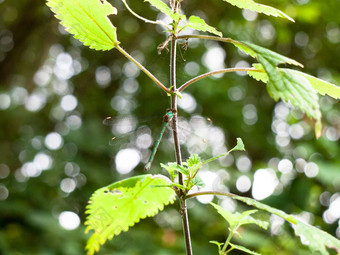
[(208, 37), (227, 70), (146, 71), (174, 96)]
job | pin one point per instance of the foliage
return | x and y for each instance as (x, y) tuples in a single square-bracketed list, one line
[(88, 21), (33, 50), (121, 205)]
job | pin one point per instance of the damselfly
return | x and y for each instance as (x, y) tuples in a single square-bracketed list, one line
[(190, 133)]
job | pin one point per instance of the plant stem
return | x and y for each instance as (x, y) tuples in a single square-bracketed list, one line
[(209, 37), (246, 201), (180, 193), (146, 71), (202, 76), (231, 233)]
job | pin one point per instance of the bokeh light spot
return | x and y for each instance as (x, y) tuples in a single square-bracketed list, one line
[(54, 141), (69, 220), (126, 160)]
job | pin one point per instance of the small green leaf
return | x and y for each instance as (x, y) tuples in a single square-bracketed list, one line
[(88, 21), (236, 220), (244, 249), (239, 146), (199, 24), (171, 168), (251, 5), (228, 216), (194, 159), (197, 181), (121, 205)]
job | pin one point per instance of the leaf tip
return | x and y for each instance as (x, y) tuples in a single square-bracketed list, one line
[(318, 129), (240, 145)]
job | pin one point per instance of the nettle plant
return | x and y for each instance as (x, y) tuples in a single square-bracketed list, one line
[(117, 207)]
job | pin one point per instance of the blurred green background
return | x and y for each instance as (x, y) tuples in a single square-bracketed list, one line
[(55, 151)]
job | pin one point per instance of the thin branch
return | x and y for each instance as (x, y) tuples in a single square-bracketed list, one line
[(217, 193), (228, 70), (208, 37), (146, 71), (157, 22)]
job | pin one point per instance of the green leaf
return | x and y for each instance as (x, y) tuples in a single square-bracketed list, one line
[(117, 207), (251, 5), (257, 204), (289, 87), (239, 146), (316, 239), (171, 168), (88, 21), (259, 73), (323, 87), (219, 245), (244, 249), (164, 8), (236, 220), (197, 181), (193, 160), (199, 24)]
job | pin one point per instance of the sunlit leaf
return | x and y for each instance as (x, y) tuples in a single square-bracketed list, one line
[(259, 73), (199, 24), (244, 249), (253, 6), (121, 205), (284, 85), (323, 87), (88, 21), (164, 8)]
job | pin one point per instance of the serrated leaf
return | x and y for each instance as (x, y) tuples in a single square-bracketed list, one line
[(237, 219), (121, 205), (164, 8), (199, 24), (244, 249), (87, 21), (286, 86), (316, 239), (259, 74), (197, 181), (194, 159), (251, 5), (323, 87)]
